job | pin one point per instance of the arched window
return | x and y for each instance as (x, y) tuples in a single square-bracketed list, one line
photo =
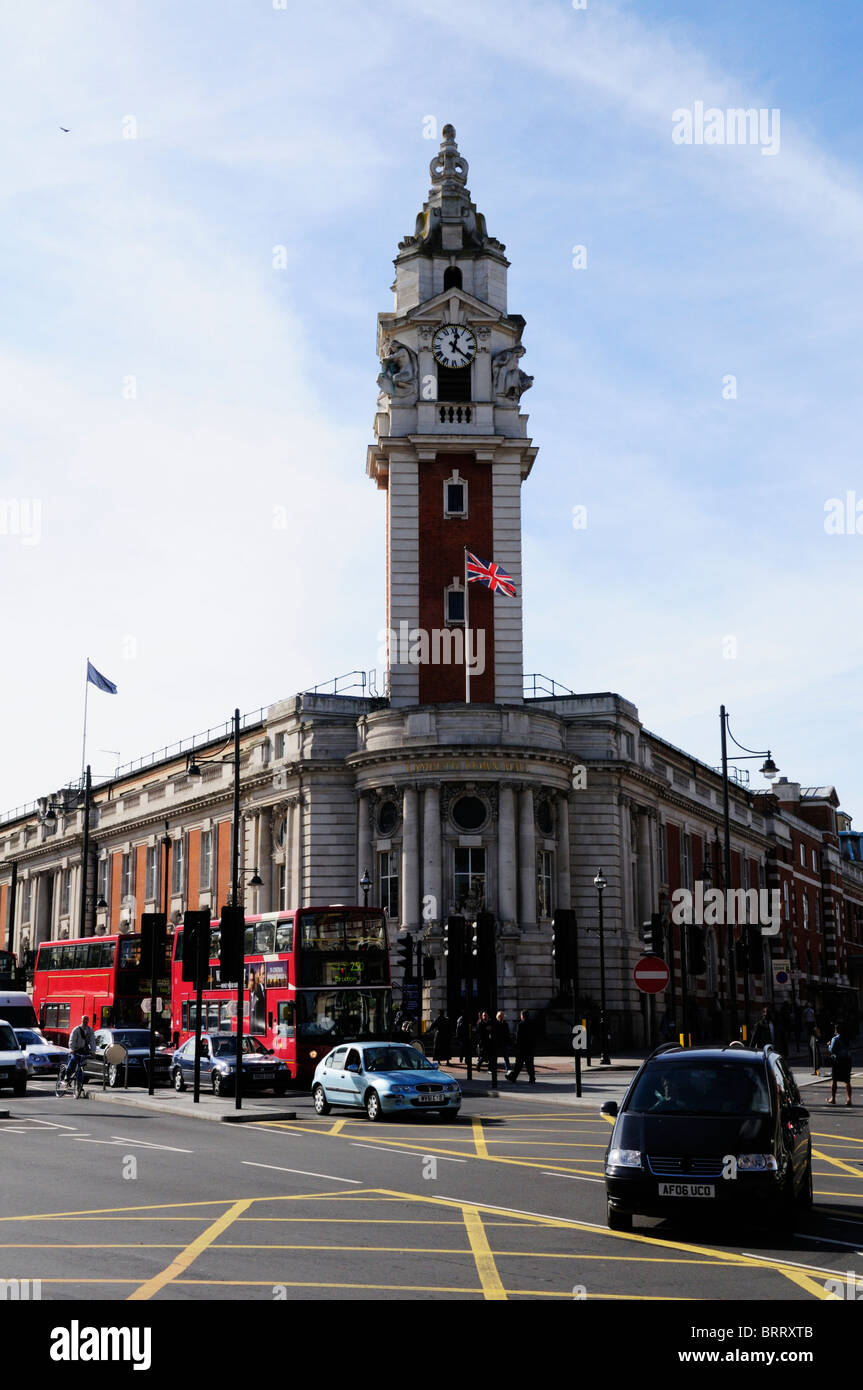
[(452, 278)]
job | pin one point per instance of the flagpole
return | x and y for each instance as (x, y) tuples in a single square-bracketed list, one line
[(466, 637), (84, 743)]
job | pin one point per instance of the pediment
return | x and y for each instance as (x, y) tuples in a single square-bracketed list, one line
[(455, 305)]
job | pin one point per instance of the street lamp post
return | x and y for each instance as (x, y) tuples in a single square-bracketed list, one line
[(365, 885), (600, 885), (768, 770)]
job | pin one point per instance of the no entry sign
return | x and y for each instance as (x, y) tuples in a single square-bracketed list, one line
[(651, 974)]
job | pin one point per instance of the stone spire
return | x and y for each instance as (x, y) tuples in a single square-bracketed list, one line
[(449, 221)]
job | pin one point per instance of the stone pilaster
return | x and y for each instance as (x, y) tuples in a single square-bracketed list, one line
[(432, 884), (410, 861), (506, 858), (526, 861)]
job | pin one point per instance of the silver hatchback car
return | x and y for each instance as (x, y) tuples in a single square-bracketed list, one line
[(384, 1079)]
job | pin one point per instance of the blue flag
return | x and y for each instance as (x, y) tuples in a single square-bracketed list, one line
[(101, 682)]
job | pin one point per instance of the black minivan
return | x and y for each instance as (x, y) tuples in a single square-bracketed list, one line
[(707, 1129)]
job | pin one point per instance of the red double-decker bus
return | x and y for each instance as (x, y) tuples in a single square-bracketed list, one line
[(99, 976), (314, 977)]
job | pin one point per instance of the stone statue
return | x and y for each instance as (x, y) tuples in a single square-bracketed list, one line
[(509, 381), (399, 376)]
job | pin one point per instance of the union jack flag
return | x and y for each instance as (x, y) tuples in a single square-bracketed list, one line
[(492, 576)]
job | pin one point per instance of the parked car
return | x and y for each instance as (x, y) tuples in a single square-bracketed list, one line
[(137, 1044), (13, 1061), (384, 1079), (707, 1130), (262, 1069), (44, 1058)]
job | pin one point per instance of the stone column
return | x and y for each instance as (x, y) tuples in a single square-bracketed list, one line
[(292, 855), (410, 861), (264, 860), (646, 905), (564, 887), (506, 857), (526, 861), (365, 858), (41, 908), (432, 886)]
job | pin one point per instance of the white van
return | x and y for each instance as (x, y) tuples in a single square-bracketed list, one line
[(13, 1059), (18, 1010)]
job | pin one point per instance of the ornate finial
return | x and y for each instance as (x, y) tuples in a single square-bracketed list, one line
[(448, 166)]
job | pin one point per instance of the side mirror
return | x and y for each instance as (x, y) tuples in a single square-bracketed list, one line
[(610, 1108), (798, 1112), (352, 1066)]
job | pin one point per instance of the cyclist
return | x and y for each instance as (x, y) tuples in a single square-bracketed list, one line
[(81, 1042)]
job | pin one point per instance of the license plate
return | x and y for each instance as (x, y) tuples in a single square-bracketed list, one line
[(686, 1189), (437, 1099)]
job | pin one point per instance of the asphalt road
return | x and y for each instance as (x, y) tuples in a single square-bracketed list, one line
[(103, 1200)]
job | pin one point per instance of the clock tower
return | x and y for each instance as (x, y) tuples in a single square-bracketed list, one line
[(451, 451)]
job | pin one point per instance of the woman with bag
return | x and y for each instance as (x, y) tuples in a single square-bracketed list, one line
[(840, 1061)]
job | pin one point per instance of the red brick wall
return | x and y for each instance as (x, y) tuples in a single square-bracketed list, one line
[(442, 542)]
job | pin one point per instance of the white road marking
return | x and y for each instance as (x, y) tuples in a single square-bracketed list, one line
[(328, 1177), (411, 1153), (145, 1144), (573, 1177), (792, 1264)]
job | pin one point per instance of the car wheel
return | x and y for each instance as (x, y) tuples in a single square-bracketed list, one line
[(449, 1115), (113, 1075), (280, 1088), (19, 1088), (219, 1086), (618, 1220), (179, 1083), (322, 1105), (373, 1106), (785, 1214)]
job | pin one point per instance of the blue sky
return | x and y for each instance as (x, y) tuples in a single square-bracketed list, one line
[(165, 390)]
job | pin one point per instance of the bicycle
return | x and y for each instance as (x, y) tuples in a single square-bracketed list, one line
[(74, 1085)]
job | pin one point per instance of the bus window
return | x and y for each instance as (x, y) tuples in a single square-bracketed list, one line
[(284, 936), (130, 952), (286, 1027), (264, 935), (323, 931)]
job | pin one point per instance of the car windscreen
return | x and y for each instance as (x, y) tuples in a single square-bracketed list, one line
[(8, 1041), (702, 1088), (396, 1059), (129, 1037), (26, 1037)]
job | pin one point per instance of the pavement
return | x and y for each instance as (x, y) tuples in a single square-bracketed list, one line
[(555, 1084)]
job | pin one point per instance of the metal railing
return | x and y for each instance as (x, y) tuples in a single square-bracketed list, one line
[(538, 687)]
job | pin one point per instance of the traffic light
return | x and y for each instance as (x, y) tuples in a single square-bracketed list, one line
[(696, 958), (154, 931), (474, 938), (652, 934), (563, 943), (453, 937), (429, 971), (485, 936), (196, 947), (232, 928), (405, 956)]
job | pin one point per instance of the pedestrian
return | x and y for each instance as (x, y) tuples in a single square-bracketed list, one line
[(502, 1038), (840, 1062), (523, 1050), (483, 1041), (763, 1032), (461, 1037), (815, 1049), (442, 1038), (808, 1020)]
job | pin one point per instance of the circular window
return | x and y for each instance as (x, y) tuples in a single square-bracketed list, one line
[(388, 817), (469, 813), (545, 817)]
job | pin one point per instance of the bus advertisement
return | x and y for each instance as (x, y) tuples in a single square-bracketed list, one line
[(314, 977), (99, 976)]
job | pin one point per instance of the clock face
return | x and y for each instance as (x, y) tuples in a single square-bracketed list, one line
[(454, 345)]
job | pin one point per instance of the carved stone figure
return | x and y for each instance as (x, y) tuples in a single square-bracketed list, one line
[(399, 376), (509, 381)]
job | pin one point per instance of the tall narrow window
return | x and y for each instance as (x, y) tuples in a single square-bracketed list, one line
[(544, 879), (388, 882), (151, 890), (65, 891), (454, 605), (178, 865), (102, 880), (686, 866), (206, 858), (127, 876), (452, 278), (469, 879), (454, 384)]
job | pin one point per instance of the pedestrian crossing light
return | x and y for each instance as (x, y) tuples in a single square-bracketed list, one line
[(405, 955), (453, 937)]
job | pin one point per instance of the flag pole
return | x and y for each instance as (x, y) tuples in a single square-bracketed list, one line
[(84, 743), (466, 638)]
